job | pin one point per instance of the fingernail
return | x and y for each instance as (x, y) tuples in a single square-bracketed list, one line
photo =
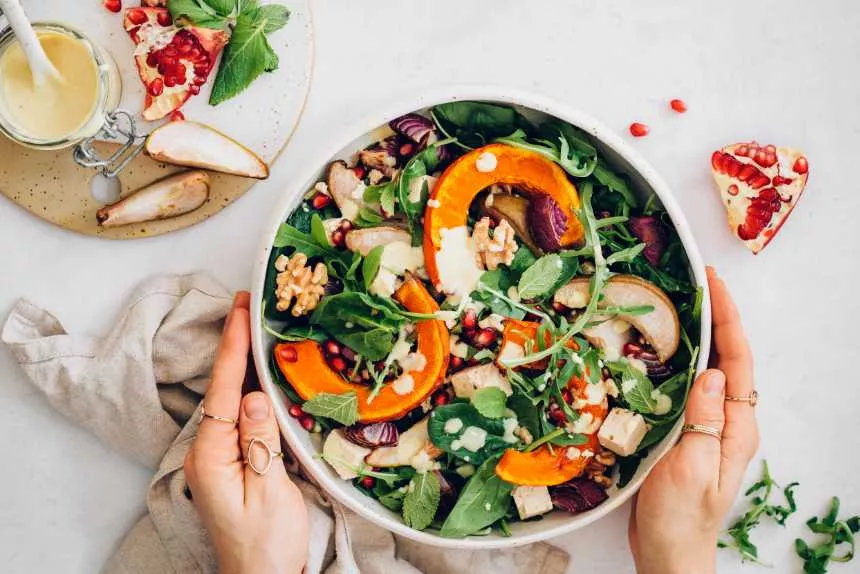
[(257, 408), (715, 383)]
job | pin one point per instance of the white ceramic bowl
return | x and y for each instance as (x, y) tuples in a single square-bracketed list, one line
[(343, 145)]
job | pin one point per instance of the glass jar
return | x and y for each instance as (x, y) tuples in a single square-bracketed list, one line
[(107, 96)]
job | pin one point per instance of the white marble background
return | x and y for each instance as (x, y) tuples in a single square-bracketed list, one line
[(779, 71)]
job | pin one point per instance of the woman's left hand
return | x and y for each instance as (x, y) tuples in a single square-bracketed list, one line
[(257, 523)]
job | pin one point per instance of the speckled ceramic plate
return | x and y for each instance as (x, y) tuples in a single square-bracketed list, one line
[(49, 185)]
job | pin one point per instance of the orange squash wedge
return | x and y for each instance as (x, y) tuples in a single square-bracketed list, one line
[(515, 337), (309, 374), (528, 171), (542, 466)]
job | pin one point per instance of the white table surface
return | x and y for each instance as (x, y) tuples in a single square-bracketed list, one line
[(776, 70)]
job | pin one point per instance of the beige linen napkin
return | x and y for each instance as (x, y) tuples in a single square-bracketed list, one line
[(138, 390)]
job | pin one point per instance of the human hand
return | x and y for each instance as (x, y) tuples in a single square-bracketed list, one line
[(680, 509), (257, 524)]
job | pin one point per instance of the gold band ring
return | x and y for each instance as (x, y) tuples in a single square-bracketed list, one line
[(752, 399), (203, 414), (704, 429), (270, 456)]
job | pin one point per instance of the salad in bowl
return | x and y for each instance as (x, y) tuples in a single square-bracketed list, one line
[(479, 323)]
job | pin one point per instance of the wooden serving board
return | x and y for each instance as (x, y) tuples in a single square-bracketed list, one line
[(51, 186)]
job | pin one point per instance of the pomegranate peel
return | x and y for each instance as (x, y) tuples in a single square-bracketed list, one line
[(759, 186)]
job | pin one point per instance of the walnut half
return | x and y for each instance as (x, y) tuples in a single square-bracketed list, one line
[(296, 280), (498, 249)]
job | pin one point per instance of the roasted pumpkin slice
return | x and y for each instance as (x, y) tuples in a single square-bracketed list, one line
[(542, 466), (515, 338), (309, 373), (528, 171)]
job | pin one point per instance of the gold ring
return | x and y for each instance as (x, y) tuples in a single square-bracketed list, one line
[(270, 456), (752, 399), (203, 414), (704, 429)]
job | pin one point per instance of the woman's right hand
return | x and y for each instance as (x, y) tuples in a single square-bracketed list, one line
[(678, 513)]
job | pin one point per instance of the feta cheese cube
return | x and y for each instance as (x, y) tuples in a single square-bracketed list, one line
[(532, 500), (622, 431), (469, 380), (344, 456)]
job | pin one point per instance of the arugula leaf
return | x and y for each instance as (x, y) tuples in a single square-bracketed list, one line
[(318, 232), (490, 402), (817, 557), (538, 279), (340, 408), (204, 13), (469, 417), (562, 153), (421, 500), (289, 236), (248, 54), (607, 178), (485, 499), (370, 267), (739, 532)]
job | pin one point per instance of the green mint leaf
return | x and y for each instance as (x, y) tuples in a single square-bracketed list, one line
[(421, 500), (340, 408), (223, 7), (370, 267), (197, 12), (469, 420), (490, 402), (540, 277), (248, 54)]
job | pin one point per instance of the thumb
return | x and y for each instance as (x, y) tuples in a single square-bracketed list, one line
[(261, 443), (705, 406)]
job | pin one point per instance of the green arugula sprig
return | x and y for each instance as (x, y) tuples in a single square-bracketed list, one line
[(248, 53), (739, 532), (817, 557)]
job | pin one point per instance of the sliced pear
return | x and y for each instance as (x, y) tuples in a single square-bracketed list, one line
[(366, 239), (410, 444), (197, 145), (169, 197), (346, 189), (660, 327)]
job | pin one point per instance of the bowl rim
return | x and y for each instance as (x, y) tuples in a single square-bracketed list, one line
[(380, 116)]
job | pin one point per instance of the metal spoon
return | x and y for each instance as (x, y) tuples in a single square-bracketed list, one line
[(40, 66)]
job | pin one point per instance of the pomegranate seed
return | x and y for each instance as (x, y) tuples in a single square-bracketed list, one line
[(201, 69), (759, 181), (348, 354), (337, 363), (170, 52), (194, 89), (289, 354), (631, 349), (800, 166), (455, 362), (559, 307), (176, 116), (156, 87), (199, 80), (484, 338), (320, 200), (440, 398), (152, 60), (747, 171), (185, 49), (113, 5), (164, 18), (338, 238), (733, 189), (345, 225), (567, 396), (638, 130), (743, 150), (470, 319), (179, 69), (332, 348), (296, 411), (760, 157), (779, 180), (493, 224), (406, 149), (716, 159), (770, 148), (307, 422), (678, 105), (734, 166), (359, 172), (368, 481), (136, 16), (133, 35), (557, 415)]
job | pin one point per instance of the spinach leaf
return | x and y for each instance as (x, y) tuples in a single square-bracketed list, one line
[(366, 329), (609, 179), (289, 236), (340, 408), (370, 267), (636, 388), (499, 280), (485, 499), (538, 279), (421, 500), (469, 417), (477, 123), (318, 232), (527, 413), (628, 465), (490, 402), (523, 259)]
